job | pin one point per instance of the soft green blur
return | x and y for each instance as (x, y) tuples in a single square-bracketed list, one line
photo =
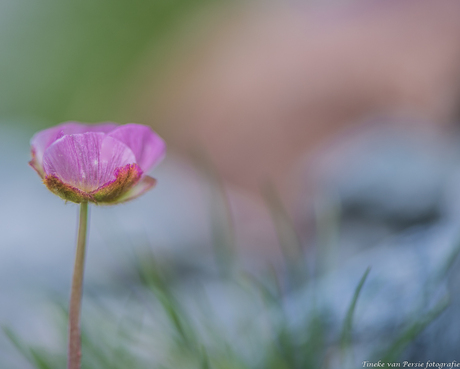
[(79, 60)]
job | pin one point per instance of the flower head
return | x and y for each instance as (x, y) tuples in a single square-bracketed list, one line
[(103, 163)]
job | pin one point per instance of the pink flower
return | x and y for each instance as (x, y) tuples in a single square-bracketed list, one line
[(103, 163)]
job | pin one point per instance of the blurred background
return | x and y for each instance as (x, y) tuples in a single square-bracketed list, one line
[(307, 141)]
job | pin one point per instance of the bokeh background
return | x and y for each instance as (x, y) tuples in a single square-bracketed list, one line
[(307, 141)]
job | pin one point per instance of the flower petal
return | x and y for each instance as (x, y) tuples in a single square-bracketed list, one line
[(86, 161), (145, 184), (43, 139), (147, 146), (125, 178), (37, 167), (65, 191)]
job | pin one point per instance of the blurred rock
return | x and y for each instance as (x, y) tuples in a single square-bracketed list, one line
[(274, 82)]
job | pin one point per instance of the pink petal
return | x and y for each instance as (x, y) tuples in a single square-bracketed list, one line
[(43, 139), (36, 166), (87, 160), (125, 178), (147, 146), (145, 184)]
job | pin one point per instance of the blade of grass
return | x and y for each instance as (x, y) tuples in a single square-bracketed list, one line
[(204, 359), (345, 340), (35, 356), (327, 216), (40, 359), (222, 232), (448, 262), (18, 344), (288, 238), (152, 276)]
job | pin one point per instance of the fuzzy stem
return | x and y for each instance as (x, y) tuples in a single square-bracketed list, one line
[(74, 358)]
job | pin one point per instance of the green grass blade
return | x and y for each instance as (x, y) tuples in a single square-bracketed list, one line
[(18, 344), (288, 238), (346, 338)]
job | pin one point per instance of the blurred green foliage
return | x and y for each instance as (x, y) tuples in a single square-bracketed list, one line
[(160, 328), (238, 319), (63, 60)]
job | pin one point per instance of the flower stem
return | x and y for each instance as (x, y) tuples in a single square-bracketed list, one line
[(74, 358)]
